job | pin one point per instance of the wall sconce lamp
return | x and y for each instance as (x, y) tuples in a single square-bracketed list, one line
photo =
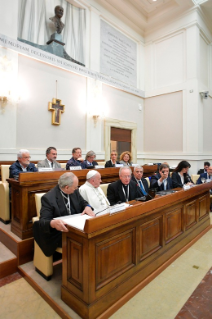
[(95, 118)]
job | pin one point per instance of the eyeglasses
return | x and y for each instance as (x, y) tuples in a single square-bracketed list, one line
[(26, 157)]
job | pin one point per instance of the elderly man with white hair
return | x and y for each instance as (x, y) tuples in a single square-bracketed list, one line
[(22, 164), (92, 193)]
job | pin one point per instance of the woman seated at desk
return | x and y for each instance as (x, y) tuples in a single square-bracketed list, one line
[(113, 160), (180, 175), (125, 158)]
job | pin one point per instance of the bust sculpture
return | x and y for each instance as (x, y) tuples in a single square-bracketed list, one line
[(59, 25)]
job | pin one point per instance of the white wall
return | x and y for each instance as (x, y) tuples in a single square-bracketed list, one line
[(28, 124)]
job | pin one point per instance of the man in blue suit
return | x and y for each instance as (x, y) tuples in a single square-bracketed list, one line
[(22, 164), (207, 175), (161, 181)]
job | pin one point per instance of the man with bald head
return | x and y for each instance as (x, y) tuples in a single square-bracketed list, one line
[(92, 193), (123, 190), (64, 199)]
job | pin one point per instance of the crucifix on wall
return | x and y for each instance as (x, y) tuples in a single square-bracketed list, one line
[(57, 108)]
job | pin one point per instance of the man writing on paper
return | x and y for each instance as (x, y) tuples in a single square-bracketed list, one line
[(64, 199), (124, 189), (92, 193)]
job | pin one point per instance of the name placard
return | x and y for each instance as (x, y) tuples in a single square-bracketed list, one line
[(119, 165), (44, 169), (99, 166), (75, 168)]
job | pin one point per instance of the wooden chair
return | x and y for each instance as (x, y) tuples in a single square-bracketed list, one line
[(4, 195), (43, 265)]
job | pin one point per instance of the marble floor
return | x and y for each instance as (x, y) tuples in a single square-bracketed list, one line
[(162, 298)]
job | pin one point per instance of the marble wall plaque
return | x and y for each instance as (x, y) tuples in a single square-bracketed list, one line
[(118, 55)]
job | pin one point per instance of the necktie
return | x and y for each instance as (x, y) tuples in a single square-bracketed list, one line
[(52, 164), (142, 188), (164, 184)]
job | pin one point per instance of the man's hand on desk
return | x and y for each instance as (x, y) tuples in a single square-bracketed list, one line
[(88, 211), (58, 224)]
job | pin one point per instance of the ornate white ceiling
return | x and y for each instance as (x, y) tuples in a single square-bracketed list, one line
[(146, 15)]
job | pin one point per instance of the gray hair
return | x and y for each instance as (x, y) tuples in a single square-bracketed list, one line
[(139, 166), (124, 167), (66, 179), (90, 153), (21, 152)]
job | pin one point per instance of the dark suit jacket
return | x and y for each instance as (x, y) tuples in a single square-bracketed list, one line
[(205, 175), (15, 169), (115, 192), (176, 180), (85, 165), (154, 183), (53, 206), (201, 171), (109, 164), (72, 162), (144, 182)]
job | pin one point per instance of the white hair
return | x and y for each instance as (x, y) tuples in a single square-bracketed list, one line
[(66, 179), (21, 152), (124, 167)]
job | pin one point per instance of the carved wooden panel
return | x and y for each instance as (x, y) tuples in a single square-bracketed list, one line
[(173, 224), (15, 204), (75, 263), (150, 238), (114, 256), (203, 206), (190, 214)]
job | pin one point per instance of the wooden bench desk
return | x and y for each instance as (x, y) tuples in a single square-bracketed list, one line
[(23, 193), (107, 263)]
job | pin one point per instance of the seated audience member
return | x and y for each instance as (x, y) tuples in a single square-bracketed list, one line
[(124, 189), (76, 159), (50, 161), (180, 175), (125, 158), (22, 164), (207, 175), (64, 199), (161, 181), (89, 160), (113, 160), (138, 178), (206, 165), (92, 193)]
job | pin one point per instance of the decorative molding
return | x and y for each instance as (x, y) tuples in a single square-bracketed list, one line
[(124, 125), (56, 61)]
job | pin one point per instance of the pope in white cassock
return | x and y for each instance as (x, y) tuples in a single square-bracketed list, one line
[(92, 193)]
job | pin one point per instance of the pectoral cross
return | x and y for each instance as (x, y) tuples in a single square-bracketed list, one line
[(57, 108)]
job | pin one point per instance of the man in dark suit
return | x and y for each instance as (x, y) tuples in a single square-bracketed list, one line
[(138, 178), (206, 165), (124, 189), (207, 175), (89, 160), (62, 200), (161, 181), (22, 164), (76, 159)]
